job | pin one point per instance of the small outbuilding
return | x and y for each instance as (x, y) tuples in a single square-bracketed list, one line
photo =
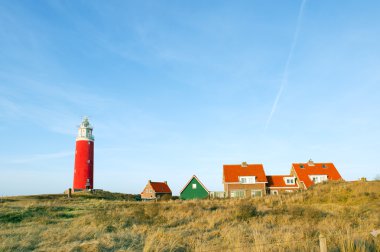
[(194, 189), (156, 191)]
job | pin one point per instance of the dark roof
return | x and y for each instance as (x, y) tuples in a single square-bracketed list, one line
[(160, 187)]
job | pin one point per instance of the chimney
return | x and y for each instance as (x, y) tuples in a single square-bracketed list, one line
[(149, 181), (166, 182), (244, 164), (311, 162)]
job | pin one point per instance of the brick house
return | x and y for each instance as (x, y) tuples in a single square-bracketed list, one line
[(278, 184), (310, 173), (244, 180), (155, 190)]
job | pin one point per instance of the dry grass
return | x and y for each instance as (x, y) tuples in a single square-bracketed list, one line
[(344, 212)]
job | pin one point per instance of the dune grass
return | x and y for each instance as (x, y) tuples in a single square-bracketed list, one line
[(344, 212)]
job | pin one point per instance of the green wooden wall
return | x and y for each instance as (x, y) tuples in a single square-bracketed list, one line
[(190, 193)]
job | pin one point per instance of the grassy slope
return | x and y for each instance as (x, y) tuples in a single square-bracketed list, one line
[(344, 212)]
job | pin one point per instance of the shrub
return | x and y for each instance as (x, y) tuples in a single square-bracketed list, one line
[(11, 217), (307, 212), (110, 229), (165, 197), (246, 211)]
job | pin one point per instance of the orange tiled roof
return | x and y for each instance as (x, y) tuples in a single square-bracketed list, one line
[(160, 187), (316, 169), (278, 181), (231, 173)]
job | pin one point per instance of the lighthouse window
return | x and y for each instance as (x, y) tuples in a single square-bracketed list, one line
[(89, 142), (88, 161)]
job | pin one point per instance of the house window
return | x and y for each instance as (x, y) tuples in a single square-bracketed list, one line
[(318, 178), (274, 192), (256, 193), (289, 180), (237, 194), (194, 186), (289, 191), (247, 179)]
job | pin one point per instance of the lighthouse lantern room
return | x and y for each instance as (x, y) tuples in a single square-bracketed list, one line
[(84, 158)]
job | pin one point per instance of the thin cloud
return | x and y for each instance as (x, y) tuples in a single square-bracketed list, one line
[(284, 79)]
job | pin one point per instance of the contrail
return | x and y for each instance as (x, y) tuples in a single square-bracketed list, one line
[(284, 79)]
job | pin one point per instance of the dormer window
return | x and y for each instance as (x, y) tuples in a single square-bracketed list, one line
[(289, 180), (324, 166), (247, 179), (302, 166), (318, 178)]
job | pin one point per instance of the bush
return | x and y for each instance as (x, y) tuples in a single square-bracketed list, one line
[(110, 229), (307, 212), (246, 211), (20, 215), (165, 197)]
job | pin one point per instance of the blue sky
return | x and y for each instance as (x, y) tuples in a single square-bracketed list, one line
[(176, 88)]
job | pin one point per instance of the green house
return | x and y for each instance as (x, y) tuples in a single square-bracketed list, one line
[(194, 189)]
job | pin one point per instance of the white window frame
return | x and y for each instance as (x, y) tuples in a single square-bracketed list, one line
[(318, 178), (237, 193), (289, 191), (293, 180), (247, 179), (194, 186)]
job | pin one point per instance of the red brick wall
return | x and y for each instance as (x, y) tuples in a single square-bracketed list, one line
[(148, 192), (246, 187), (281, 190)]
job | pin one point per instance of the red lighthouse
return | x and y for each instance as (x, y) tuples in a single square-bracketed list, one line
[(84, 158)]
